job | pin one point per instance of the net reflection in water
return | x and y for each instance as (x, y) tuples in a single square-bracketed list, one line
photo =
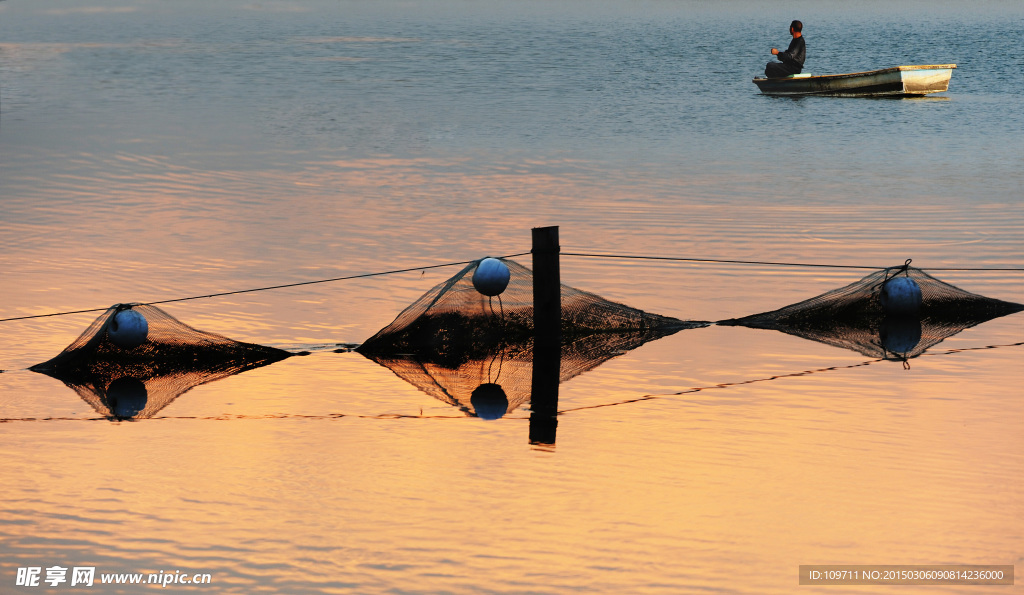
[(499, 381), (137, 381), (855, 317)]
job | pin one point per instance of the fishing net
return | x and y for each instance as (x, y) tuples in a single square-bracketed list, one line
[(476, 352), (455, 323), (135, 382), (853, 317), (499, 382)]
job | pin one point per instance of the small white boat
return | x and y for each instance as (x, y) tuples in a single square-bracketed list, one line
[(898, 81)]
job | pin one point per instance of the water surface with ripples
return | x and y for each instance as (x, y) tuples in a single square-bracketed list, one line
[(157, 150)]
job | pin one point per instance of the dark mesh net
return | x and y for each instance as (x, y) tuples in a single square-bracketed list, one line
[(499, 382), (454, 323), (852, 317), (137, 382), (476, 353)]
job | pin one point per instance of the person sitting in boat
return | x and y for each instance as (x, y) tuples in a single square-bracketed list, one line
[(792, 60)]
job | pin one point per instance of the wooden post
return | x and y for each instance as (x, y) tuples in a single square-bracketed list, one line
[(547, 337)]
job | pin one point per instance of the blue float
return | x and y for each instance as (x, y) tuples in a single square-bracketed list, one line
[(491, 277), (901, 296), (128, 329)]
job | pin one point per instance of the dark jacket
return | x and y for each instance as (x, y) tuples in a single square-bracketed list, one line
[(794, 56)]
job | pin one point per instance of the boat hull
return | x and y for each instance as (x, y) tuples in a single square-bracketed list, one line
[(898, 81)]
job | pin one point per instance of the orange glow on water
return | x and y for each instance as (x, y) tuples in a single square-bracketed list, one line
[(165, 153)]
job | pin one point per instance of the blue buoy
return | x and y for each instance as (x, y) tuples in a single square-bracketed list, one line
[(901, 296), (128, 329), (491, 277), (489, 401)]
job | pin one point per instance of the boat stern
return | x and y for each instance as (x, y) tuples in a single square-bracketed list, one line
[(922, 80)]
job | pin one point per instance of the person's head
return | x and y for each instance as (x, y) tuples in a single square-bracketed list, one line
[(796, 27)]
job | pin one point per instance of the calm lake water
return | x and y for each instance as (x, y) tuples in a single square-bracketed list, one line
[(156, 150)]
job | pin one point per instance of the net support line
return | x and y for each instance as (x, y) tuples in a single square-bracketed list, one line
[(770, 263), (464, 262), (256, 289)]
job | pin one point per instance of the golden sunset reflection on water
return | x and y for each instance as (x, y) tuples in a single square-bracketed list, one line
[(309, 470), (152, 152), (327, 471)]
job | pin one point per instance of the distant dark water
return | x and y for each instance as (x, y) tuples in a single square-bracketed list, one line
[(663, 82)]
